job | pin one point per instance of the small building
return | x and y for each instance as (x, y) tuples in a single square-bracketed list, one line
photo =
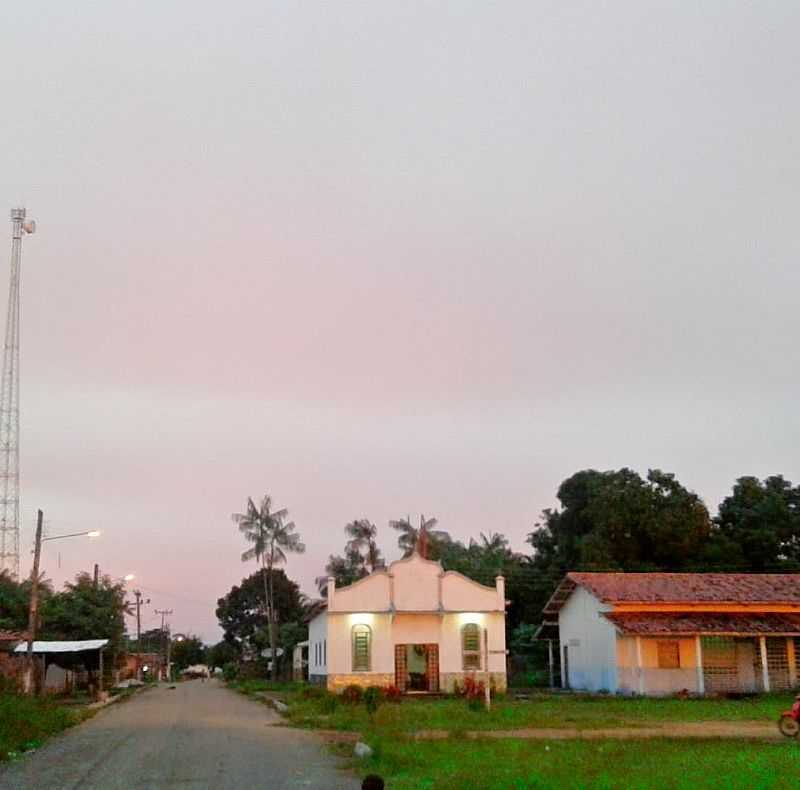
[(662, 633), (413, 626)]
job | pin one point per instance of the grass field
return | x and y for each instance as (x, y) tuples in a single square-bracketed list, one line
[(543, 710), (26, 721), (454, 764)]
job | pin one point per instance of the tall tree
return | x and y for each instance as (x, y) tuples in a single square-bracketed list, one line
[(85, 610), (344, 569), (618, 521), (272, 538), (363, 539), (241, 611), (757, 527), (426, 539)]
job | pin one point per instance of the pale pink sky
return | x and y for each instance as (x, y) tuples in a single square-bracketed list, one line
[(385, 258)]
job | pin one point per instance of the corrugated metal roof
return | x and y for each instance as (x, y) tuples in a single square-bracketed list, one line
[(689, 624), (63, 647)]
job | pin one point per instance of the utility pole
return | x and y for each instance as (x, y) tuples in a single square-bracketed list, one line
[(34, 605), (96, 574), (9, 406), (165, 630), (138, 594)]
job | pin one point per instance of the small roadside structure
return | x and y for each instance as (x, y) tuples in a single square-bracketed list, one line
[(414, 626), (66, 657), (663, 633)]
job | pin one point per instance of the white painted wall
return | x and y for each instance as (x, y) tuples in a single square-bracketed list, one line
[(460, 594), (317, 643), (416, 584), (370, 594), (591, 641), (340, 651), (450, 659)]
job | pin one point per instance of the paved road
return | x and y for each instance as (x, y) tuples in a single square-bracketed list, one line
[(199, 735)]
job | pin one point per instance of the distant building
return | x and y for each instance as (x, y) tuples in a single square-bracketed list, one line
[(661, 633), (413, 626)]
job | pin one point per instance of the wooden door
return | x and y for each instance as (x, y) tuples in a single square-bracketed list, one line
[(400, 667), (432, 666)]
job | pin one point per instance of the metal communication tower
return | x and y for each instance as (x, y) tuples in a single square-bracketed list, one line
[(9, 407)]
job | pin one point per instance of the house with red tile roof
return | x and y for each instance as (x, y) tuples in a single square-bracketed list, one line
[(662, 633)]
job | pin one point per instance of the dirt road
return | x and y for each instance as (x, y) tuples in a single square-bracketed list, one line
[(199, 735)]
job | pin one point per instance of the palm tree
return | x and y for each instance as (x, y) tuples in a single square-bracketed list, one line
[(273, 538), (422, 539), (362, 534)]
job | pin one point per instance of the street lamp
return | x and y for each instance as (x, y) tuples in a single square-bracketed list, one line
[(34, 604), (94, 533)]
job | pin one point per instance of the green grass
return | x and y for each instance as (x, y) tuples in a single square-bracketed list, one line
[(508, 764), (26, 721), (544, 710)]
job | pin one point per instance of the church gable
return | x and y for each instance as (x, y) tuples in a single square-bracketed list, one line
[(416, 584)]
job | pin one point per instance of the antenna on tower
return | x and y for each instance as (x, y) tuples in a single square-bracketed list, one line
[(9, 406)]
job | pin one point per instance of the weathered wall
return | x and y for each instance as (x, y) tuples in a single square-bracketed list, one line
[(591, 641)]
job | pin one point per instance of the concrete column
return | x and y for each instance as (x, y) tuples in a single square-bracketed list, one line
[(791, 658), (500, 584), (331, 592), (762, 643), (698, 660), (639, 665)]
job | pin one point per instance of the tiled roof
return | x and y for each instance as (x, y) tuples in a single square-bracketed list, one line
[(12, 636), (746, 588), (689, 624)]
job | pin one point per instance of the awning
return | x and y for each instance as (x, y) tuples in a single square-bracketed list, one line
[(63, 647), (705, 624)]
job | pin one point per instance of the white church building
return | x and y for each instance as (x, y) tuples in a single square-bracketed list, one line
[(414, 626)]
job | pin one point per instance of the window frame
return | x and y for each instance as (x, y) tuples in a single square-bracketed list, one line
[(673, 661), (468, 657), (355, 631)]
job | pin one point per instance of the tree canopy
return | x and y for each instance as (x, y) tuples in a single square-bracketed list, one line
[(241, 611)]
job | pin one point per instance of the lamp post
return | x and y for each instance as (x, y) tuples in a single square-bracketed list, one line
[(34, 603)]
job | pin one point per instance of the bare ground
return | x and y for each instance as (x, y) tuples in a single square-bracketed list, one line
[(196, 736)]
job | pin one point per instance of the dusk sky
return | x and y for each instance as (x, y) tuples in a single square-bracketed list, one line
[(389, 258)]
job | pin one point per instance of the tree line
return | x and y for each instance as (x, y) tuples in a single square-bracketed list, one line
[(616, 520)]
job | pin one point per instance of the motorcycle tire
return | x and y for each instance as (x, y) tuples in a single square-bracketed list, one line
[(789, 726)]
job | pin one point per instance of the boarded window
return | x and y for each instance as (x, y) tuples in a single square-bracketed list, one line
[(669, 655), (471, 647), (362, 648)]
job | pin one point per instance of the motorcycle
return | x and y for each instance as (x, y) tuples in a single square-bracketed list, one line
[(789, 722)]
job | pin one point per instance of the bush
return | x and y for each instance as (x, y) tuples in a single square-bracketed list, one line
[(352, 694), (313, 692), (392, 694), (474, 692), (230, 671)]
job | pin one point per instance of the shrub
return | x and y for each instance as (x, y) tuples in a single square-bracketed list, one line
[(328, 703), (474, 692), (352, 694), (313, 692), (230, 671), (392, 694)]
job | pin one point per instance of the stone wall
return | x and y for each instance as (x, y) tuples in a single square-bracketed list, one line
[(448, 680), (338, 683)]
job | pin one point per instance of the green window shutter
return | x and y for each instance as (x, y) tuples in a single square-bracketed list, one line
[(361, 648), (471, 646)]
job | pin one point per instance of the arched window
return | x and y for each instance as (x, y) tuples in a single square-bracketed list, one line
[(362, 648), (471, 647)]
